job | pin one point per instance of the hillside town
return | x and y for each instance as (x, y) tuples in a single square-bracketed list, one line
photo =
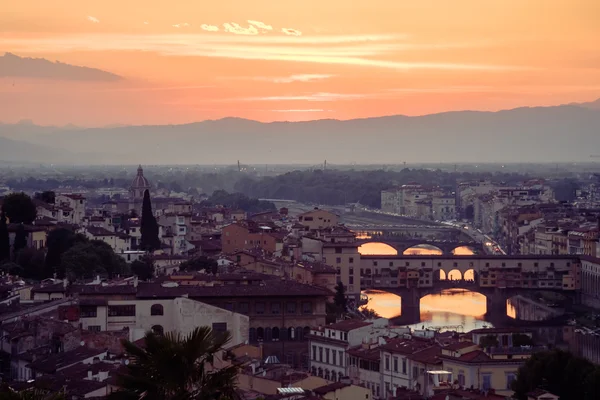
[(84, 280)]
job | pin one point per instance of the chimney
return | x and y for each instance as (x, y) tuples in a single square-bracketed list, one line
[(135, 281), (65, 283), (89, 376)]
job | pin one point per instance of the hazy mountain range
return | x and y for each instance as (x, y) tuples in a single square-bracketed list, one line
[(535, 134), (12, 65)]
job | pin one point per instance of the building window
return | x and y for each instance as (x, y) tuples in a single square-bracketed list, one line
[(341, 357), (157, 309), (275, 308), (404, 366), (395, 364), (350, 280), (320, 354), (351, 260), (387, 363), (333, 357), (486, 380), (306, 307), (243, 308), (88, 311), (510, 377), (327, 356), (351, 271), (158, 330), (338, 260), (461, 378), (259, 308), (122, 311), (374, 263), (219, 327), (338, 250), (94, 328), (314, 352)]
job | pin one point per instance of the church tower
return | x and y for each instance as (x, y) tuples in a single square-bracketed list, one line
[(139, 185)]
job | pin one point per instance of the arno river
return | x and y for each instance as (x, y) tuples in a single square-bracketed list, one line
[(456, 309)]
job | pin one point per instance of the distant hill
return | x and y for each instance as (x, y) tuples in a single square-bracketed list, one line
[(535, 134), (23, 67), (18, 151)]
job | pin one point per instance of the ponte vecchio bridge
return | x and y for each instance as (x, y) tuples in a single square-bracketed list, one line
[(497, 277)]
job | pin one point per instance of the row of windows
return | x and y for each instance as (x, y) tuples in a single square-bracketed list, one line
[(124, 310), (328, 356)]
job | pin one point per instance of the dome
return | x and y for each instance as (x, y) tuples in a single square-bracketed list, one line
[(140, 182)]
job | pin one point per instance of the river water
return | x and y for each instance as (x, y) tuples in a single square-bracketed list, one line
[(454, 309)]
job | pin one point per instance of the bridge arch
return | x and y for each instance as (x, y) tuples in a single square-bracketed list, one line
[(377, 248), (454, 275), (423, 249), (464, 251)]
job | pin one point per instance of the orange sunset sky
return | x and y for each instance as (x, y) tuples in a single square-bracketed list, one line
[(191, 60)]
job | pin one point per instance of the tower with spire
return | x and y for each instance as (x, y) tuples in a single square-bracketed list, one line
[(138, 186)]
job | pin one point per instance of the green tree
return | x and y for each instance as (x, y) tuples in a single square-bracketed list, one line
[(520, 339), (47, 196), (489, 341), (59, 241), (340, 301), (201, 263), (32, 262), (149, 227), (19, 208), (12, 268), (4, 239), (559, 372), (177, 367), (143, 268), (20, 240), (86, 260)]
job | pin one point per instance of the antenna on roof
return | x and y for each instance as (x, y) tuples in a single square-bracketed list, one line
[(239, 168)]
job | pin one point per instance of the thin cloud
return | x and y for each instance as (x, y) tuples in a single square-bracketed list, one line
[(146, 23), (185, 24), (260, 25), (355, 50), (210, 28), (291, 32), (93, 19), (176, 25), (299, 110), (322, 96), (296, 78), (234, 28)]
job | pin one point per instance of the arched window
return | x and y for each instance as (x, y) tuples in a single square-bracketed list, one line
[(157, 329), (268, 334), (275, 333), (327, 375), (260, 334), (252, 335), (157, 309)]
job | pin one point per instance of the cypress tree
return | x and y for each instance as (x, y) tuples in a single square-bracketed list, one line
[(4, 240), (20, 240), (149, 226)]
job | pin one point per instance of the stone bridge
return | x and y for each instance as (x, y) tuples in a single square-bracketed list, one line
[(496, 299), (402, 244)]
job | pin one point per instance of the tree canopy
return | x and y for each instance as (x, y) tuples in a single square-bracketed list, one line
[(86, 260), (339, 299), (19, 208), (561, 373), (238, 201), (143, 268), (199, 264), (174, 366), (149, 226), (59, 241), (47, 196), (20, 241)]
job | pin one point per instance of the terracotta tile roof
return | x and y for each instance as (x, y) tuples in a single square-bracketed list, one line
[(429, 356), (54, 361), (332, 387), (405, 346), (372, 354), (459, 345)]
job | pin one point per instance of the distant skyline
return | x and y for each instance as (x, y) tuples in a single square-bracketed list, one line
[(185, 61)]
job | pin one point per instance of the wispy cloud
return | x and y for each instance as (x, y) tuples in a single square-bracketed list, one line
[(93, 19), (237, 29), (210, 28), (146, 23), (291, 32), (296, 78), (322, 96), (260, 25), (176, 25), (185, 24), (301, 111), (375, 51)]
